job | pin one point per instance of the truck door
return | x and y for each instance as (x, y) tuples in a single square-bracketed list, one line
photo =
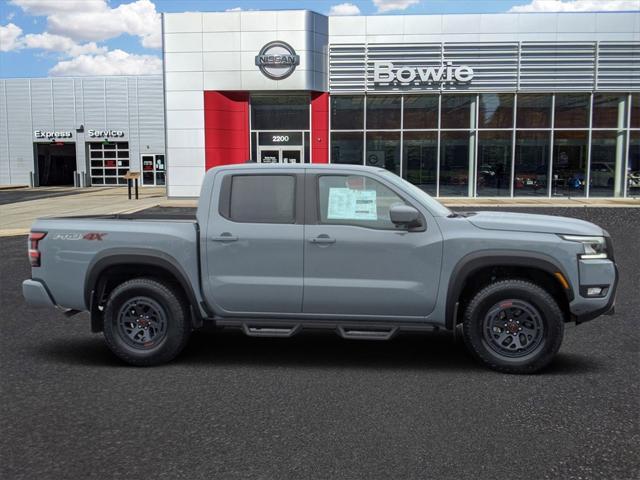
[(356, 261), (253, 251)]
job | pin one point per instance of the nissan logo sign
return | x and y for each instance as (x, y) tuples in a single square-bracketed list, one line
[(277, 60)]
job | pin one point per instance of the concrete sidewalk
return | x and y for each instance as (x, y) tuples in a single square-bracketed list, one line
[(16, 218)]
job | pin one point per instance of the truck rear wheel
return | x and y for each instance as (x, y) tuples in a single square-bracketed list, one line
[(513, 326), (146, 322)]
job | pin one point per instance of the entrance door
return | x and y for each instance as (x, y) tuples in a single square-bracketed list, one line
[(153, 169), (56, 163), (280, 155)]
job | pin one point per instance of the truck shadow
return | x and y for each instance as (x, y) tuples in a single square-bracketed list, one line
[(419, 352)]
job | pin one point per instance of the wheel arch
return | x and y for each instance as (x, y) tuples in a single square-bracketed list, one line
[(134, 263), (477, 262)]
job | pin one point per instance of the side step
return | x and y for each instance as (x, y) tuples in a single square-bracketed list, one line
[(364, 333), (270, 331)]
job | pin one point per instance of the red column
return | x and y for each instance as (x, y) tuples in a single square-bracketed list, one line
[(226, 128), (320, 127)]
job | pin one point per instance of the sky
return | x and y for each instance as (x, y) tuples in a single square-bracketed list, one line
[(40, 38)]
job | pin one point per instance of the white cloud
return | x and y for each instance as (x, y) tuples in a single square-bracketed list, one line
[(58, 43), (94, 20), (577, 6), (9, 37), (234, 9), (115, 62), (344, 9), (49, 7), (390, 5)]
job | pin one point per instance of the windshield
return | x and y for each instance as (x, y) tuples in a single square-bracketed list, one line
[(434, 206)]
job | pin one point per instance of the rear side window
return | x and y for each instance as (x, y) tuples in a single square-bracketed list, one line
[(262, 199)]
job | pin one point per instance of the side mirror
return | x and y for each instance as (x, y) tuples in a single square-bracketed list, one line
[(405, 216)]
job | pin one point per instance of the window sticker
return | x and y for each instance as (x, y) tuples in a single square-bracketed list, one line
[(347, 204)]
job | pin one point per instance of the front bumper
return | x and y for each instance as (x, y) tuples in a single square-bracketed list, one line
[(36, 294), (586, 309)]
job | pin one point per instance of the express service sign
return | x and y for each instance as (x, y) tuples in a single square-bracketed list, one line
[(277, 60)]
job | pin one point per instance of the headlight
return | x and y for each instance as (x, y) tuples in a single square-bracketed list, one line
[(594, 247)]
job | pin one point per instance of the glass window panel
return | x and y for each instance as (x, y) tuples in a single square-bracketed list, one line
[(147, 178), (420, 157), (123, 154), (122, 145), (383, 150), (111, 180), (495, 110), (97, 181), (494, 164), (635, 111), (420, 111), (454, 164), (531, 163), (160, 178), (602, 172), (605, 110), (572, 110), (456, 111), (106, 145), (347, 147), (569, 164), (96, 153), (262, 199), (533, 111), (347, 112), (254, 146), (280, 112), (383, 112), (339, 195), (633, 170), (307, 148)]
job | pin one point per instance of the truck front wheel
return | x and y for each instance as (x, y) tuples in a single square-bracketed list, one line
[(513, 326), (146, 322)]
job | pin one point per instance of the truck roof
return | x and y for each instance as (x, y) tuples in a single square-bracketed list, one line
[(297, 166)]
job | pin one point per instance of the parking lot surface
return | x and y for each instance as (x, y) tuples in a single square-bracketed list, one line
[(317, 406)]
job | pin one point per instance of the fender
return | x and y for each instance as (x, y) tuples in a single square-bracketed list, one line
[(471, 263), (131, 256)]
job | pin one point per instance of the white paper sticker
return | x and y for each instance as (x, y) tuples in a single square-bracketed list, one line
[(347, 204)]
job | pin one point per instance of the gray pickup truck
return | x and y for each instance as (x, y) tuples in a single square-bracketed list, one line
[(358, 250)]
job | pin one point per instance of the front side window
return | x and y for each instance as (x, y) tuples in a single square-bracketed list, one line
[(356, 200), (262, 199)]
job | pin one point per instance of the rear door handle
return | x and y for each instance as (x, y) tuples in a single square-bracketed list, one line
[(323, 239), (225, 237)]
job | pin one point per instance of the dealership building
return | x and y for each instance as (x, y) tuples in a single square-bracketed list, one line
[(486, 105)]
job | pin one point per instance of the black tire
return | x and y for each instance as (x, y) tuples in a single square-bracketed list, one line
[(162, 334), (514, 347)]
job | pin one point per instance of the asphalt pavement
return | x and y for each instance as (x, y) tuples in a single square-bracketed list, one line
[(317, 406), (26, 194)]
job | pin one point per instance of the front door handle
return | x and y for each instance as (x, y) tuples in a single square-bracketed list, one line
[(225, 237), (323, 239)]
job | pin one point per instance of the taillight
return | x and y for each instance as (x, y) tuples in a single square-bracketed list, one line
[(34, 253)]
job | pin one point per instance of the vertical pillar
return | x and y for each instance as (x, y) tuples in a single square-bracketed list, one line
[(319, 127), (226, 128), (473, 139), (618, 190)]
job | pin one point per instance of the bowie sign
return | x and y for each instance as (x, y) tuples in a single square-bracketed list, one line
[(388, 73)]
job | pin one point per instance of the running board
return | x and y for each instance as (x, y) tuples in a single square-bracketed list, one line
[(286, 328), (360, 333), (270, 331)]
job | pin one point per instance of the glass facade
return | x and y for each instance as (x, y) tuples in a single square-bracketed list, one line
[(495, 144)]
